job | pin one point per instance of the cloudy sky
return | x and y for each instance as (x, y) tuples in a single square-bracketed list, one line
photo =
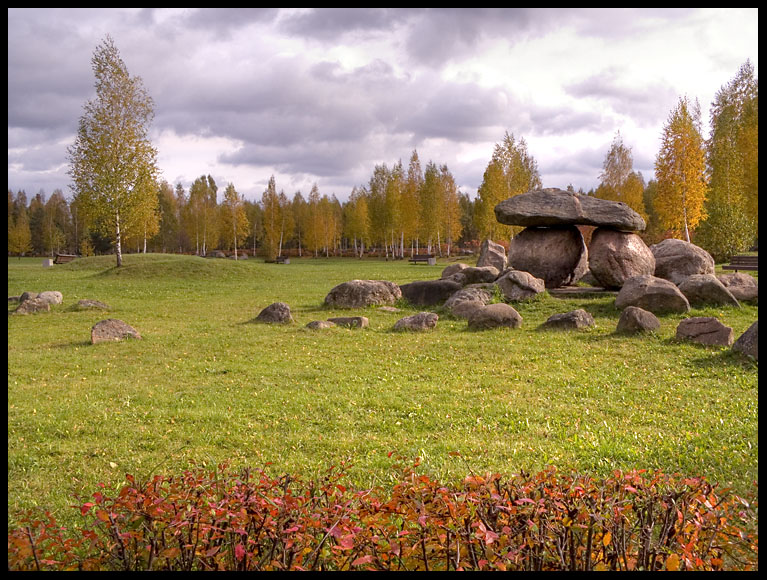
[(323, 95)]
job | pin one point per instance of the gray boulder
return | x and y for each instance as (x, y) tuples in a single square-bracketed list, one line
[(32, 305), (112, 329), (87, 304), (556, 207), (499, 315), (517, 285), (634, 319), (351, 321), (417, 322), (52, 297), (478, 275), (320, 324), (743, 287), (492, 254), (650, 293), (675, 260), (705, 330), (616, 256), (702, 289), (558, 256), (465, 301), (429, 292), (276, 313), (362, 293), (453, 269), (573, 320), (748, 342)]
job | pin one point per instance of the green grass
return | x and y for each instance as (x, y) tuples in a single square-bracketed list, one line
[(207, 385)]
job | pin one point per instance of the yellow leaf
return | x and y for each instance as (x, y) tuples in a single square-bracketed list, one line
[(607, 538), (672, 563), (601, 567)]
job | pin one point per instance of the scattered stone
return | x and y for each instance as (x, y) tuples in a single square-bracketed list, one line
[(362, 293), (429, 292), (743, 287), (32, 305), (453, 269), (517, 285), (320, 324), (705, 330), (558, 256), (701, 289), (112, 329), (650, 293), (465, 301), (634, 319), (492, 254), (86, 304), (616, 256), (479, 274), (276, 313), (351, 321), (556, 207), (494, 316), (748, 342), (573, 320), (675, 260), (417, 322), (27, 296)]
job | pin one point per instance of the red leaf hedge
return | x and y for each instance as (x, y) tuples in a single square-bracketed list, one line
[(217, 520)]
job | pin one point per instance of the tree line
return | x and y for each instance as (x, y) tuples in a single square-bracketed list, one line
[(704, 191)]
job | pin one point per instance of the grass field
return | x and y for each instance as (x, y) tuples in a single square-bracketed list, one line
[(206, 384)]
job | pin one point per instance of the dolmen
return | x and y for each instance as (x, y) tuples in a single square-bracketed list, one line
[(552, 248)]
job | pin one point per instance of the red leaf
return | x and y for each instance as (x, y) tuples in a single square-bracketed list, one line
[(239, 552), (363, 560)]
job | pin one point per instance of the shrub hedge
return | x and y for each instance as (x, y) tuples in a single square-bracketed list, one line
[(219, 520)]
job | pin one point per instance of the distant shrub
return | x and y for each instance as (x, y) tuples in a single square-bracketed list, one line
[(216, 520)]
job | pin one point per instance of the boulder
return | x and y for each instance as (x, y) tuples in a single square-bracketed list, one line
[(675, 260), (634, 319), (27, 296), (705, 330), (465, 301), (351, 321), (429, 292), (748, 342), (517, 285), (702, 289), (320, 324), (276, 313), (494, 316), (650, 293), (616, 256), (573, 320), (478, 275), (558, 256), (453, 269), (361, 293), (32, 305), (556, 207), (52, 297), (87, 304), (112, 329), (417, 322), (492, 254), (743, 287)]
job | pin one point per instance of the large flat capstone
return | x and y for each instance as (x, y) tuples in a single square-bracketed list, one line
[(557, 207)]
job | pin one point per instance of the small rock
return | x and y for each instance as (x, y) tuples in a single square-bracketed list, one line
[(573, 320), (634, 319), (32, 305), (705, 330), (320, 324), (494, 316), (417, 322), (276, 313), (351, 321), (112, 329), (748, 343), (86, 304)]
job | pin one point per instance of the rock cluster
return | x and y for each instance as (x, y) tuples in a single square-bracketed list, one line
[(552, 248)]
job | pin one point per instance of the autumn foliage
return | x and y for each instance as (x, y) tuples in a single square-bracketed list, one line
[(218, 520)]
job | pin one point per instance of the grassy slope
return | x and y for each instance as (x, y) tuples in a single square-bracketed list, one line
[(206, 385)]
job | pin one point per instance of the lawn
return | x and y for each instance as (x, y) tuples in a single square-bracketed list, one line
[(205, 384)]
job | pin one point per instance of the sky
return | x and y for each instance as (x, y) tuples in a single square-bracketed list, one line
[(322, 96)]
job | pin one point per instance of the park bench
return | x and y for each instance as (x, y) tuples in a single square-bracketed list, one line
[(742, 262), (430, 259), (282, 260), (64, 258)]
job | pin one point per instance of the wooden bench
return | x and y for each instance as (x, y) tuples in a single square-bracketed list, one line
[(64, 258), (743, 263), (282, 260), (425, 258)]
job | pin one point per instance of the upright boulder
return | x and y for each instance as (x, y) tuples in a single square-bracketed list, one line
[(675, 260), (556, 207), (556, 255), (362, 293), (492, 254), (616, 256)]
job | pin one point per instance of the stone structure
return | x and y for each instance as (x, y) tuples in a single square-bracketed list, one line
[(616, 256)]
